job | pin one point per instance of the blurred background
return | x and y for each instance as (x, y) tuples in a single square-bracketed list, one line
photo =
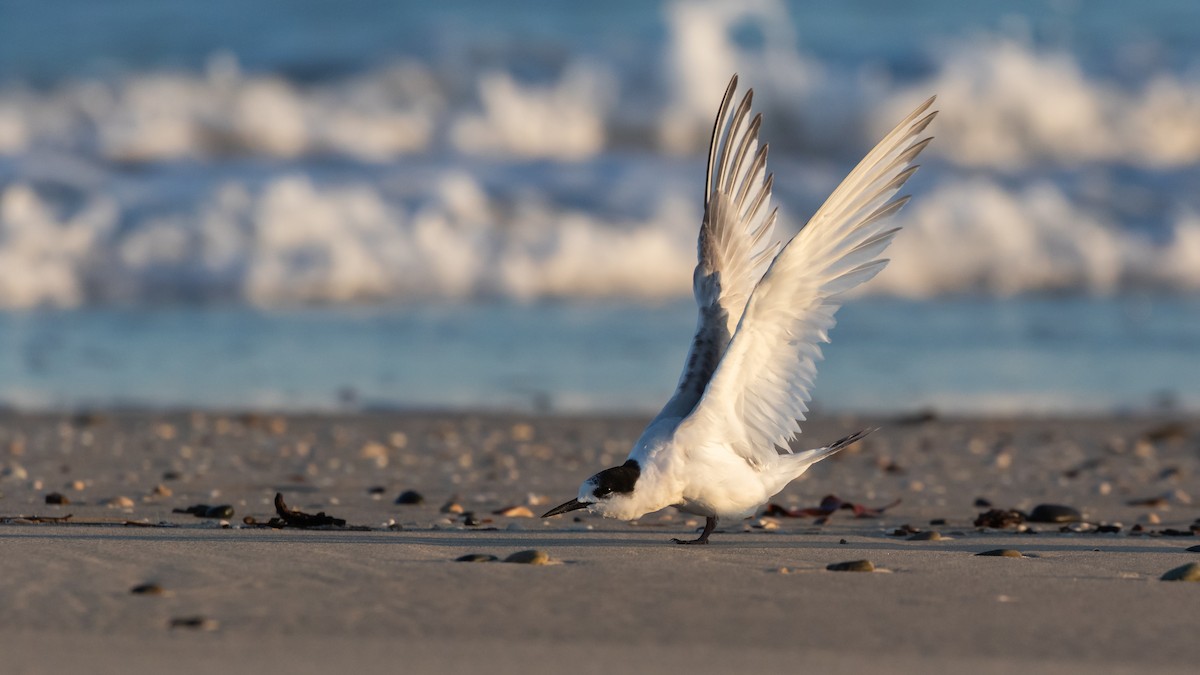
[(308, 205)]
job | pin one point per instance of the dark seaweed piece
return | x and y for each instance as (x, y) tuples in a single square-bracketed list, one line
[(220, 512), (1171, 431), (1152, 502), (1000, 518), (924, 416), (1085, 465), (294, 518), (38, 519), (828, 506)]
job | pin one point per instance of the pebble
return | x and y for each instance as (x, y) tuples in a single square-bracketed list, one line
[(981, 503), (14, 472), (1194, 549), (376, 451), (410, 497), (57, 498), (930, 535), (195, 623), (522, 432), (530, 557), (476, 557), (161, 490), (148, 589), (119, 503), (1188, 572), (515, 512), (452, 507), (1002, 553), (852, 566), (1054, 513), (77, 485)]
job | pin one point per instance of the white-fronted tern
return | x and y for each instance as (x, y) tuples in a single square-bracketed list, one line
[(720, 448)]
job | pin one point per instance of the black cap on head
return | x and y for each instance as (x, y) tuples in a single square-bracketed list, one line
[(619, 479)]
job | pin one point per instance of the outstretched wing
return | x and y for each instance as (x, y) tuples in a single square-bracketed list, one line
[(761, 389), (735, 246)]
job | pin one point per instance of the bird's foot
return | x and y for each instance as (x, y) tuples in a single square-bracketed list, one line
[(710, 524)]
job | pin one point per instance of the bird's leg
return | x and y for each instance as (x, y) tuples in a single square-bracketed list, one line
[(710, 524)]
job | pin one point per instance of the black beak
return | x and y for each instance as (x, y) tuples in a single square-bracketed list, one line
[(572, 505)]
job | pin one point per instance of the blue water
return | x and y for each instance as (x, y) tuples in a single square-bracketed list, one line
[(964, 355), (302, 204), (311, 39)]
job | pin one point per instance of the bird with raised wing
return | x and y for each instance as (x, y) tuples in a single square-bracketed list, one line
[(720, 448)]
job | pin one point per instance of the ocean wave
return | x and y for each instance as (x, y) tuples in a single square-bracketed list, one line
[(291, 241), (976, 236), (1007, 104), (157, 116), (93, 208)]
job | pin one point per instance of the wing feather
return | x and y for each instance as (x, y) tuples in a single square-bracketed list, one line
[(736, 242), (762, 385)]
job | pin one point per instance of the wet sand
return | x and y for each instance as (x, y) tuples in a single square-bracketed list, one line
[(388, 595)]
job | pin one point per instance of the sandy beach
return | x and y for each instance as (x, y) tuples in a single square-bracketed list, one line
[(385, 593)]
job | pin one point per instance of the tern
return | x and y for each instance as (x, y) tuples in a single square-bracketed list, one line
[(721, 447)]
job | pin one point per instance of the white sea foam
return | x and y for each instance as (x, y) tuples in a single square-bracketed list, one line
[(973, 235), (1006, 104), (292, 234), (564, 121), (159, 115), (293, 242), (45, 257)]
